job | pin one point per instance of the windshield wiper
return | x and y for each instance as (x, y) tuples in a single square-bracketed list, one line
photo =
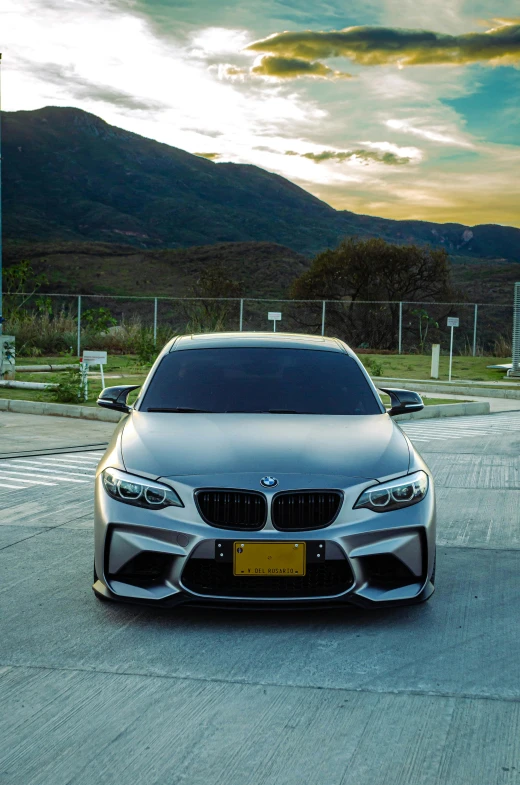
[(181, 409)]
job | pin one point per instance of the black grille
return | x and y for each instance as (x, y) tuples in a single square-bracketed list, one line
[(305, 509), (245, 510), (206, 576)]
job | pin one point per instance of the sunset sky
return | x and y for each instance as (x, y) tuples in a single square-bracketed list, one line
[(396, 108)]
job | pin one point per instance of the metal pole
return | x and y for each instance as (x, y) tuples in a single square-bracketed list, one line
[(323, 318), (475, 332), (400, 328), (1, 289), (274, 325), (79, 325), (241, 314), (155, 322), (451, 354)]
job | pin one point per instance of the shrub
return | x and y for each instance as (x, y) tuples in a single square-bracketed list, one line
[(374, 366), (70, 389)]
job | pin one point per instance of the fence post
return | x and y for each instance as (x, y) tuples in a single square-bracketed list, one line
[(400, 328), (323, 318), (475, 331), (79, 325), (241, 314), (155, 321)]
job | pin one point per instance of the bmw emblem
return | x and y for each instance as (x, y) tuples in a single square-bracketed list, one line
[(269, 482)]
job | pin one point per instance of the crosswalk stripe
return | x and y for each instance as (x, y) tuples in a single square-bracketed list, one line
[(463, 427), (68, 462), (41, 473), (47, 461), (83, 461), (4, 476), (50, 470), (29, 465)]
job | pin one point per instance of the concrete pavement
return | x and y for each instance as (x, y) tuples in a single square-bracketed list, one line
[(428, 695), (29, 432)]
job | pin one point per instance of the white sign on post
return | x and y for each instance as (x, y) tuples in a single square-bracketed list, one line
[(274, 316), (453, 321), (96, 358)]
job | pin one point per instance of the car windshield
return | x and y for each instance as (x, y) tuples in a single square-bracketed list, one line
[(247, 379)]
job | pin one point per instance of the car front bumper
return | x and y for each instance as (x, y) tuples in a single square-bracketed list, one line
[(171, 556)]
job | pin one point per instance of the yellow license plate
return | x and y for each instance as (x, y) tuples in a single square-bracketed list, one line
[(269, 559)]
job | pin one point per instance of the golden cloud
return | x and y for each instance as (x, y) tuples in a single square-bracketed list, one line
[(292, 67), (209, 156), (364, 156), (384, 45)]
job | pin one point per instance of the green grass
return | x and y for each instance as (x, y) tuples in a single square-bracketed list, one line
[(418, 366)]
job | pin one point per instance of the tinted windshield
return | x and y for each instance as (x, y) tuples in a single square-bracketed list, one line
[(292, 381)]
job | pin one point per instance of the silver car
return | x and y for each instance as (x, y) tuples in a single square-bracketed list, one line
[(262, 469)]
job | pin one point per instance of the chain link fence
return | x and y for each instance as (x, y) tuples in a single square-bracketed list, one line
[(49, 323)]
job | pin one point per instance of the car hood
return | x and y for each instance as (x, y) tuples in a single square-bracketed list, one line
[(176, 445)]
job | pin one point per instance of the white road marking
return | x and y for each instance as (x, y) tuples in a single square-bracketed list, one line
[(60, 465), (4, 476), (50, 470), (43, 473), (462, 427), (69, 462), (22, 462)]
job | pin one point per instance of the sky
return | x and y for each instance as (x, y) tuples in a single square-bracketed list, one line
[(395, 108)]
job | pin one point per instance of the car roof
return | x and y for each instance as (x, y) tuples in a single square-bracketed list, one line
[(253, 339)]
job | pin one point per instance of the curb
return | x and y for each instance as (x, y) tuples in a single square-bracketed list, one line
[(107, 415), (59, 410), (446, 410)]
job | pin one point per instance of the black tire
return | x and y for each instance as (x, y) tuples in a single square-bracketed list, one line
[(432, 579)]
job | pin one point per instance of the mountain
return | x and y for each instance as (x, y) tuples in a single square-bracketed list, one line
[(261, 269), (69, 176)]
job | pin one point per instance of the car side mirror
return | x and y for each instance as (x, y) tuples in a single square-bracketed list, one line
[(115, 397), (403, 401)]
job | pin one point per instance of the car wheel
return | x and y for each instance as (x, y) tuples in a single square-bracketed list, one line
[(432, 579)]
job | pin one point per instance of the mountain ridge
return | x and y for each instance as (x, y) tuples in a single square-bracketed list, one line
[(70, 176)]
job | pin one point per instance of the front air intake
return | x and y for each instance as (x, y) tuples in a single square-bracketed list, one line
[(230, 509)]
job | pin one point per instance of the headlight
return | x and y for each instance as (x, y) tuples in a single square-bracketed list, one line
[(138, 491), (395, 494)]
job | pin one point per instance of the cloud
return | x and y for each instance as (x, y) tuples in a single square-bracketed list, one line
[(361, 156), (292, 67), (81, 88), (432, 135), (204, 132), (229, 71), (385, 45), (209, 156)]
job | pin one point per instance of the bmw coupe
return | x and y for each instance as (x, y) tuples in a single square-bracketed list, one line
[(262, 468)]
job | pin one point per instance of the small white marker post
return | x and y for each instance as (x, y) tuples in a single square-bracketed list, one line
[(436, 350), (96, 358), (453, 321), (274, 316)]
